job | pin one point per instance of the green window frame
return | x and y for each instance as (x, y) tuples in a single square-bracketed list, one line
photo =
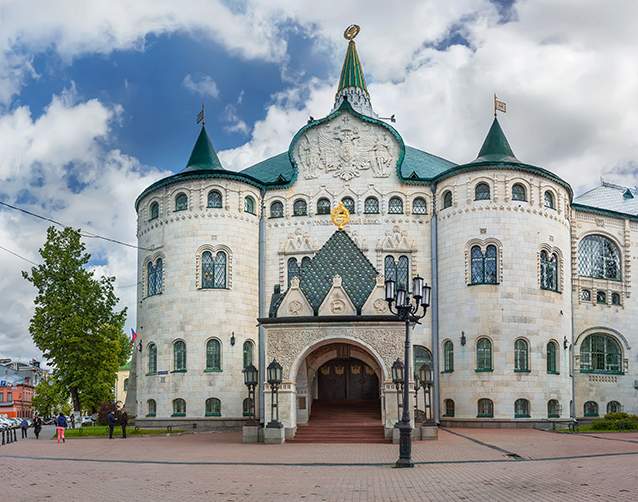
[(521, 408), (179, 356), (600, 353), (213, 407), (614, 407), (485, 408), (448, 357), (181, 202), (447, 199), (552, 358), (448, 406), (484, 355), (247, 407), (249, 205), (213, 355), (553, 408), (151, 407), (152, 359), (248, 351), (420, 355), (521, 356), (179, 407), (591, 409), (154, 211)]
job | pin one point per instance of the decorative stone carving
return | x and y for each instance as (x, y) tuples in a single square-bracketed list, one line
[(298, 242), (337, 301), (344, 147), (376, 304), (294, 303), (396, 241)]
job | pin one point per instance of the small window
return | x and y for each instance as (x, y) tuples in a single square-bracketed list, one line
[(179, 356), (484, 355), (179, 407), (154, 277), (323, 206), (614, 407), (293, 269), (482, 192), (521, 356), (371, 205), (419, 206), (247, 407), (153, 211), (521, 408), (421, 355), (213, 270), (615, 299), (151, 407), (213, 407), (447, 199), (552, 357), (549, 200), (591, 409), (348, 202), (213, 355), (214, 199), (249, 205), (181, 202), (395, 206), (519, 193), (125, 385), (601, 297), (485, 408), (553, 408), (448, 357), (152, 359), (277, 210), (549, 271), (585, 295), (300, 208), (249, 349), (449, 408)]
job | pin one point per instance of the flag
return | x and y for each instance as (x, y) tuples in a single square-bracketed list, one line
[(499, 106), (200, 115), (133, 336)]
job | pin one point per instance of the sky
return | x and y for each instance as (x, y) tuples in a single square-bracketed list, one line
[(98, 99)]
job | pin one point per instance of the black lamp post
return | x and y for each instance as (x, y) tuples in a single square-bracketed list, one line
[(274, 377), (250, 380), (397, 380), (425, 378), (407, 309)]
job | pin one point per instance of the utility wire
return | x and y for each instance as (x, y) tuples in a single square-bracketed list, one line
[(19, 256), (83, 234)]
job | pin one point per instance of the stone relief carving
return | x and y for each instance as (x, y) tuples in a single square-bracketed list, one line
[(396, 240), (298, 242), (345, 147)]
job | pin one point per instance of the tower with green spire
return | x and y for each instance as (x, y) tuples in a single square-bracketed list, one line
[(203, 156)]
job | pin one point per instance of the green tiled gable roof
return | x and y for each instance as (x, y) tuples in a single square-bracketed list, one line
[(352, 71), (338, 256), (272, 170), (203, 155)]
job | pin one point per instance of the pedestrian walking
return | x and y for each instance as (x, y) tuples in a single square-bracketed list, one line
[(37, 426), (60, 425), (123, 422), (24, 425), (73, 421), (111, 421)]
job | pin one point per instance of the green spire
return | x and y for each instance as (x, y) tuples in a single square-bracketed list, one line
[(496, 147), (203, 155), (352, 71)]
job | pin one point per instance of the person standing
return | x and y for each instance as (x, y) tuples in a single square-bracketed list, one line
[(73, 421), (24, 425), (37, 426), (60, 425), (123, 422), (111, 421)]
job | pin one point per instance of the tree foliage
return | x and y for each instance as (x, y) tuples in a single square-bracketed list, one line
[(50, 398), (75, 323)]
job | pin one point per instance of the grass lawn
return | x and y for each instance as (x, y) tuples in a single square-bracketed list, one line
[(589, 428), (103, 431)]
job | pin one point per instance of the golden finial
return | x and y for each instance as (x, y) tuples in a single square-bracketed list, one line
[(340, 216), (351, 31)]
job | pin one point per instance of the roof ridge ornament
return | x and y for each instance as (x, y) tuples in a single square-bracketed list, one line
[(351, 32)]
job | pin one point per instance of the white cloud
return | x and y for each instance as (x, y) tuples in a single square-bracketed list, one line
[(204, 85)]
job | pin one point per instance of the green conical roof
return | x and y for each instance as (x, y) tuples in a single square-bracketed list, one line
[(352, 71), (496, 147), (203, 155)]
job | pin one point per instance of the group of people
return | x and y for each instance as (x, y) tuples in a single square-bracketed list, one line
[(37, 427), (113, 419)]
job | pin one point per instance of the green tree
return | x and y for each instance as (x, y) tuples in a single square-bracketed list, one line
[(75, 323), (49, 397)]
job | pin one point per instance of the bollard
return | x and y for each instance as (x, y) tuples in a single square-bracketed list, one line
[(3, 437), (15, 435)]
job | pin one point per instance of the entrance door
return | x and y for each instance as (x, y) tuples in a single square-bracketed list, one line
[(347, 379)]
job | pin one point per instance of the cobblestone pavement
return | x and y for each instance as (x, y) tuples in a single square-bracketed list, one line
[(464, 464)]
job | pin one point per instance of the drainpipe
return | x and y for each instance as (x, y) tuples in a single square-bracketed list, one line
[(572, 361), (434, 241), (262, 308)]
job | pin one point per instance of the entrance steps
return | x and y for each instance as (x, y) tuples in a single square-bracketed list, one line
[(342, 422)]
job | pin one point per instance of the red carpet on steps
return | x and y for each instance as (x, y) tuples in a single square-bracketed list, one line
[(342, 422)]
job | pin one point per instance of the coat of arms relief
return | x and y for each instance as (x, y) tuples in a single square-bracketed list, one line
[(344, 148)]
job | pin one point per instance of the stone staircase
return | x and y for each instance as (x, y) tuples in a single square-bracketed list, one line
[(342, 422)]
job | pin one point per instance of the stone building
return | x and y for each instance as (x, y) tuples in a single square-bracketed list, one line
[(532, 308)]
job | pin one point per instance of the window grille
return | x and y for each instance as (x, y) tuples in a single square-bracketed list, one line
[(179, 407), (449, 408), (591, 409), (599, 257), (152, 407), (519, 193), (248, 353), (179, 356), (485, 408), (249, 205), (549, 271), (600, 353), (214, 199), (300, 208), (614, 407), (152, 359), (293, 269), (181, 202), (521, 355), (482, 192), (548, 199), (553, 408), (277, 210), (448, 356), (213, 355), (484, 355), (447, 199), (419, 206), (323, 206), (521, 408), (395, 206), (154, 211), (348, 202), (371, 205), (552, 352), (213, 407)]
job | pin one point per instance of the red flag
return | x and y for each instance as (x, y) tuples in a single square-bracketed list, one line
[(133, 336)]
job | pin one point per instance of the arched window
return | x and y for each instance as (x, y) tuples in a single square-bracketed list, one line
[(154, 279), (249, 205), (371, 205), (484, 266), (553, 408), (248, 353), (591, 409), (395, 206), (521, 355), (213, 407), (151, 407), (125, 385), (348, 202), (214, 199), (152, 359), (305, 261), (421, 355), (490, 265), (159, 275), (614, 407), (518, 192), (213, 270), (549, 271), (599, 257), (485, 408), (293, 269), (299, 208), (277, 209), (181, 202), (484, 355), (247, 407), (482, 191), (323, 206), (448, 357), (448, 406), (521, 408), (600, 353), (213, 355), (390, 268), (615, 299), (548, 199), (601, 297), (398, 271), (478, 266), (552, 357), (179, 356), (419, 206), (179, 407), (447, 199), (585, 295), (153, 211)]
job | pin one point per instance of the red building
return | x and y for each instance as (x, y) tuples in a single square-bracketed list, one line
[(15, 400)]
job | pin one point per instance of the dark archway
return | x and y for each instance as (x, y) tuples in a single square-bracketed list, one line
[(347, 380)]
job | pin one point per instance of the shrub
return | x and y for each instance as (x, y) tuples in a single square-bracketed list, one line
[(616, 422), (618, 415), (602, 424), (103, 411)]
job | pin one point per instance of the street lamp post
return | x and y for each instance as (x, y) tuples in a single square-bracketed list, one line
[(274, 374), (407, 309), (250, 380), (397, 380), (425, 379)]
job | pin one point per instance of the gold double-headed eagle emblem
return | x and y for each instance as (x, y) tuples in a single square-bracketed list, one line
[(340, 216)]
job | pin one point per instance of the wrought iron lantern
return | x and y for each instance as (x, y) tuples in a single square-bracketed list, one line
[(397, 372), (274, 373), (274, 378), (251, 380)]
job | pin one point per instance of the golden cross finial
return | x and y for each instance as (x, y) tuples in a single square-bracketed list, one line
[(340, 216), (351, 31)]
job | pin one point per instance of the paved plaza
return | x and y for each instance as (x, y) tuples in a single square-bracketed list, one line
[(464, 464)]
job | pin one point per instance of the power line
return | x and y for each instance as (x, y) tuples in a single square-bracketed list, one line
[(83, 234), (19, 256)]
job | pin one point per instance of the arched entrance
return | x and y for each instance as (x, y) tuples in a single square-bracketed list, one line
[(347, 380)]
